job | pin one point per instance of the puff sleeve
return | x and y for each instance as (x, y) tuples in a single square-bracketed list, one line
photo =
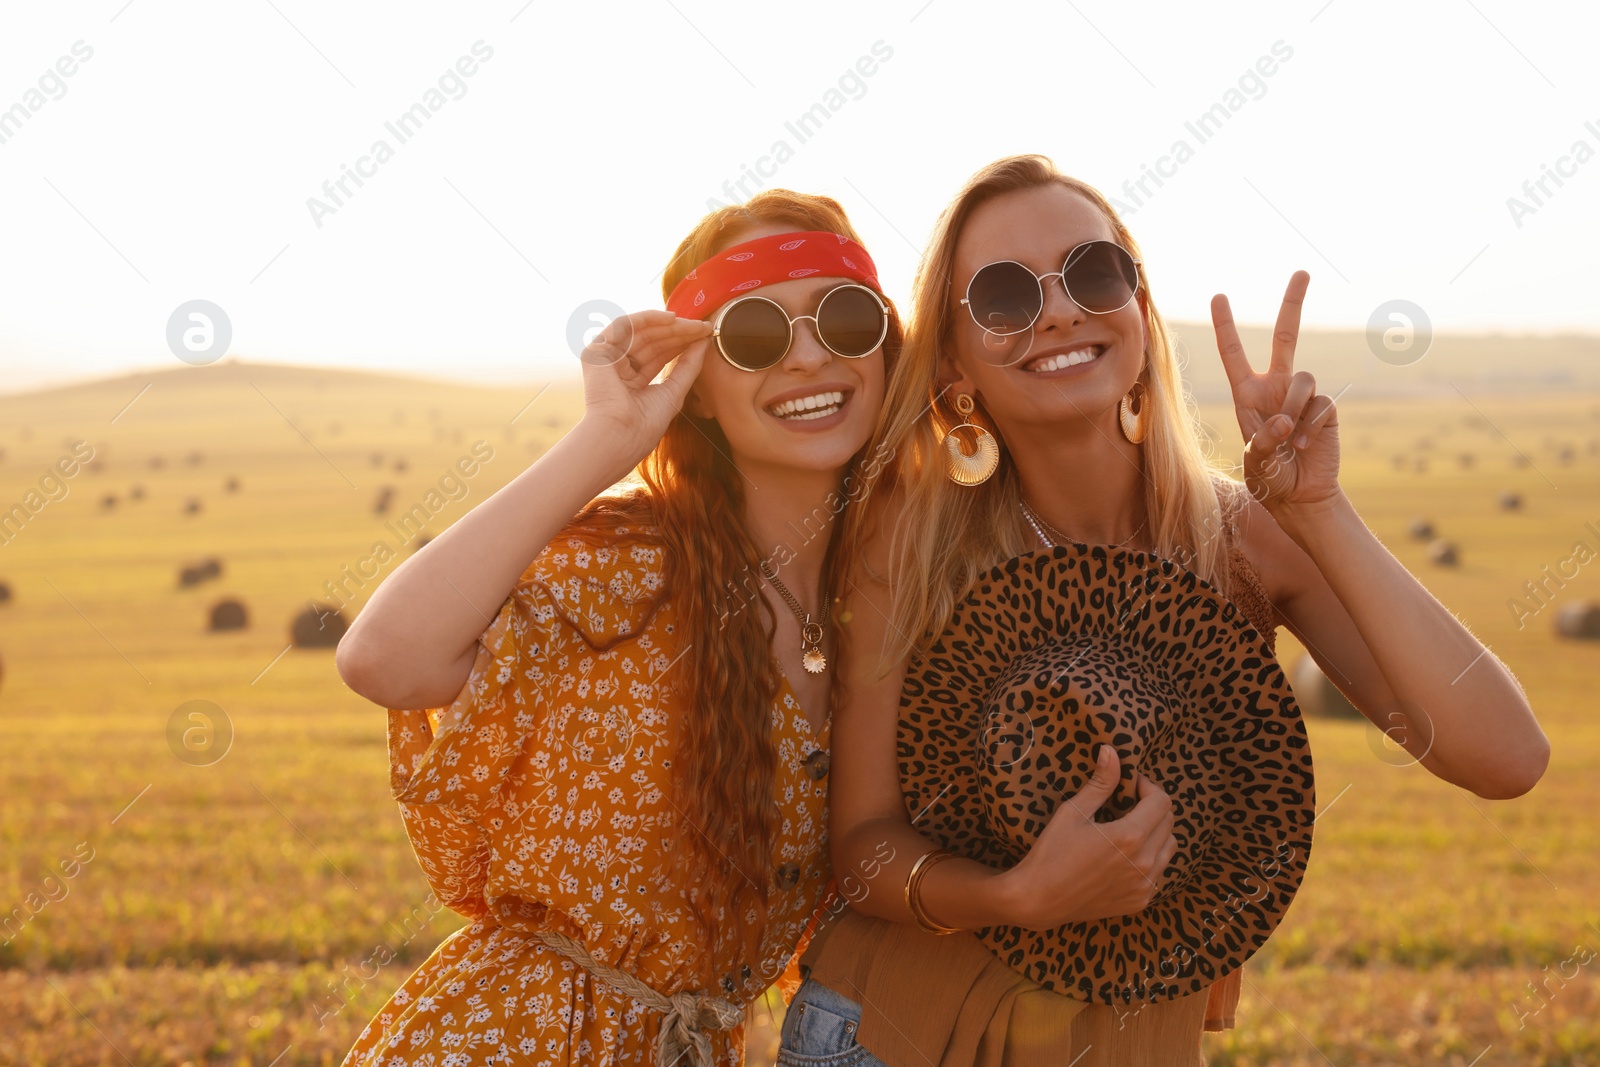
[(449, 766)]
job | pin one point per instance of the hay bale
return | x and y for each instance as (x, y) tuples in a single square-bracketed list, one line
[(1510, 501), (196, 458), (1580, 620), (380, 506), (136, 493), (193, 506), (157, 462), (192, 574), (1420, 465), (1519, 461), (228, 614), (319, 626), (232, 484), (1317, 695), (5, 593), (377, 459), (108, 502), (1466, 459), (422, 539), (1399, 462), (400, 466), (1420, 529), (1443, 553), (1565, 455)]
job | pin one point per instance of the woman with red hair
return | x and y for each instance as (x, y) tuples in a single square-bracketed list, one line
[(620, 778)]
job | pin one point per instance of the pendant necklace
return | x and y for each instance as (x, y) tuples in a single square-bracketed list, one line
[(811, 656)]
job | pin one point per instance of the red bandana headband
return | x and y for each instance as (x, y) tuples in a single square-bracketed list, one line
[(767, 261)]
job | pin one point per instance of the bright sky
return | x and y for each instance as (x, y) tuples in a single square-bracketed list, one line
[(175, 162)]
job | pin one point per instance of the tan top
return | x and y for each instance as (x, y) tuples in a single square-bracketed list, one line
[(978, 1011)]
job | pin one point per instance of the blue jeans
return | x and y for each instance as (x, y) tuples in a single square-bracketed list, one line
[(819, 1030)]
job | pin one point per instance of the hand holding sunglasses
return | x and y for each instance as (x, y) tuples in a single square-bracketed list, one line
[(628, 409)]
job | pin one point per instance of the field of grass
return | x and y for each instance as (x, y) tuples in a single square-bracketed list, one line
[(167, 910)]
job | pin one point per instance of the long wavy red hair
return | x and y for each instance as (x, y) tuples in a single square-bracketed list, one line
[(726, 764)]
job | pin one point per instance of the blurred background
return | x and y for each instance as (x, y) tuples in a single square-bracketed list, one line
[(276, 276)]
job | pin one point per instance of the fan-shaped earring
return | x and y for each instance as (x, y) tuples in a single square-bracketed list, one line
[(1131, 413), (976, 468)]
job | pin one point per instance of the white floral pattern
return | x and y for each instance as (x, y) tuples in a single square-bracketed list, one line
[(541, 798)]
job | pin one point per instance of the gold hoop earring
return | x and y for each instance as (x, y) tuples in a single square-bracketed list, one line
[(976, 468), (1133, 419)]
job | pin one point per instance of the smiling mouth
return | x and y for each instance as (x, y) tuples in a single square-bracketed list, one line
[(1060, 360), (805, 408)]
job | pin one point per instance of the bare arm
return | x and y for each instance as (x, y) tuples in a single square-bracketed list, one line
[(1399, 654), (1403, 659), (1078, 869), (413, 644)]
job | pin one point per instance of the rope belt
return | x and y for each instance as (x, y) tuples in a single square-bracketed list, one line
[(686, 1015)]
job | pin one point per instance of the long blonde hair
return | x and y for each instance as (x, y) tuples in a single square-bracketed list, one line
[(961, 531)]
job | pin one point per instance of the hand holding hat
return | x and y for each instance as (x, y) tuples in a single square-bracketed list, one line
[(1079, 869), (1056, 654)]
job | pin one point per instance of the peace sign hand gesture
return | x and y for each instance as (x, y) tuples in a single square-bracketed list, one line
[(1291, 432)]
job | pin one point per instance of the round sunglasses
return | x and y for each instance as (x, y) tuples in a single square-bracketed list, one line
[(1006, 298), (754, 332)]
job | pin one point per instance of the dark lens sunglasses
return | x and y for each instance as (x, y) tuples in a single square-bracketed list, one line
[(754, 332), (1006, 298)]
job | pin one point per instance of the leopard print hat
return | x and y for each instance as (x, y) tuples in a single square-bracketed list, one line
[(1056, 652)]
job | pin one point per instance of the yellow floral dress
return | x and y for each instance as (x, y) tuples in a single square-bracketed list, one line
[(541, 799)]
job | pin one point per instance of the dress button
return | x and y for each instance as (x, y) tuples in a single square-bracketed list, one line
[(817, 764), (788, 876)]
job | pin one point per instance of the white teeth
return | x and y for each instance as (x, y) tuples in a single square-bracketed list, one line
[(807, 416), (1066, 359), (805, 408)]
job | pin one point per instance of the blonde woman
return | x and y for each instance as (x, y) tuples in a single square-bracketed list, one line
[(1038, 402)]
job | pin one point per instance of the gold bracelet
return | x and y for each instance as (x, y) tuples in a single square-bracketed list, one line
[(919, 870), (913, 883)]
